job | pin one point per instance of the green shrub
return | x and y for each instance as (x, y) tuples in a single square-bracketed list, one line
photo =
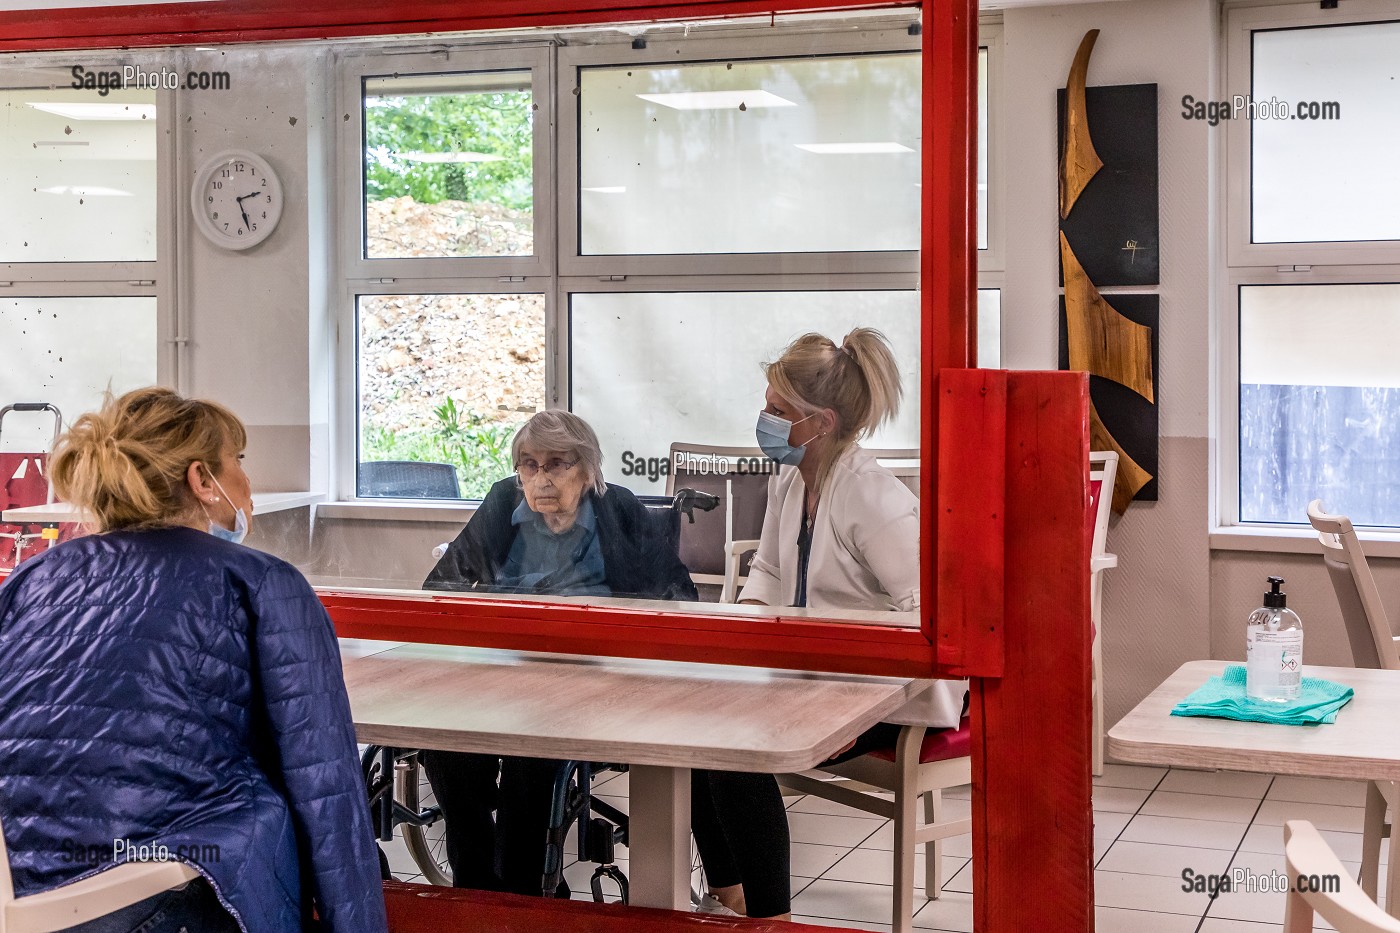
[(479, 448)]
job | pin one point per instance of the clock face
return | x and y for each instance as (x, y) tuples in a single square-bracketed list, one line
[(236, 200)]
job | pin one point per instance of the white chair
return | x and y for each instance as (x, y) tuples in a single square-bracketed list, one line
[(1349, 909), (713, 547), (1373, 645), (922, 765), (117, 887), (1103, 470)]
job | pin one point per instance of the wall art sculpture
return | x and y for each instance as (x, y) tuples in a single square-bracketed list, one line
[(1109, 237)]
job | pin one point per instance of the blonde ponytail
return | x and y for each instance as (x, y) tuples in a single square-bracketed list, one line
[(125, 464), (872, 354)]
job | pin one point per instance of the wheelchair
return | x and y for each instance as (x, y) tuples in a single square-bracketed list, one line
[(394, 780)]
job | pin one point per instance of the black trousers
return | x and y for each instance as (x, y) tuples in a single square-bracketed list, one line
[(741, 830), (504, 850)]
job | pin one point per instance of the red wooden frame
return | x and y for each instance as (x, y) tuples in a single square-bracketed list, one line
[(1004, 540)]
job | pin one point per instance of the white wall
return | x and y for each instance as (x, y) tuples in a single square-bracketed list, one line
[(252, 313)]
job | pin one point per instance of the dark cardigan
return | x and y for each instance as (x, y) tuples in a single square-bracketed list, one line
[(637, 559)]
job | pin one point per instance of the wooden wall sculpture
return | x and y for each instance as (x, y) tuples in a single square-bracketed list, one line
[(1108, 237)]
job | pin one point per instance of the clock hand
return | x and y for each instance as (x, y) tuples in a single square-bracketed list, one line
[(246, 222)]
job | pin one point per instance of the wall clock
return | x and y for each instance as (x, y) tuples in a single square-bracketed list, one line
[(236, 199)]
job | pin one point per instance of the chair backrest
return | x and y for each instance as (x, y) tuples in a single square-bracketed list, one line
[(1373, 643), (1347, 908), (1103, 471), (7, 887), (82, 901), (408, 479), (739, 477)]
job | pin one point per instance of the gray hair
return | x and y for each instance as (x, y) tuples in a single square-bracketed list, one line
[(566, 433)]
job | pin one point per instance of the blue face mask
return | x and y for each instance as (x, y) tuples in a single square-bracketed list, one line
[(774, 434), (240, 521)]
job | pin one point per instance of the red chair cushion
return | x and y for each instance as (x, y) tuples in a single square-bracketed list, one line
[(939, 744)]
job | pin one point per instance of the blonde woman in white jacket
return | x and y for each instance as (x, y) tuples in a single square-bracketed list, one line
[(841, 533)]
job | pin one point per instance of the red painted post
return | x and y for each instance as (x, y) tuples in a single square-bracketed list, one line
[(1032, 817), (948, 261), (971, 507)]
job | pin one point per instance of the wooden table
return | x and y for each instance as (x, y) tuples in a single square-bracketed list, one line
[(662, 718), (1363, 744)]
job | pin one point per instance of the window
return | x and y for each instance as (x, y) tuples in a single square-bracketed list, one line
[(750, 156), (413, 405), (449, 354), (80, 253), (1325, 174), (450, 154), (1313, 286)]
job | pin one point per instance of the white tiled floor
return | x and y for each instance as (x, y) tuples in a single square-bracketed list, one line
[(1150, 825)]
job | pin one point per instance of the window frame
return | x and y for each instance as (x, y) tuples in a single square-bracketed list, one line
[(991, 262), (1241, 23), (1245, 263)]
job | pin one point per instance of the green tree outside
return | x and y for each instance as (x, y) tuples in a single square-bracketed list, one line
[(494, 123)]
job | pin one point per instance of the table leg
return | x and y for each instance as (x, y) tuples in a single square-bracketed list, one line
[(659, 829)]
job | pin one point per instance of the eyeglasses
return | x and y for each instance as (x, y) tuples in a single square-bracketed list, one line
[(555, 468)]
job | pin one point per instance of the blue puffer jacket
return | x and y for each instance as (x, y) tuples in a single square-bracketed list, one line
[(171, 689)]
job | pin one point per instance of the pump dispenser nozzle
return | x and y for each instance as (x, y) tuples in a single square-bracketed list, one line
[(1275, 598)]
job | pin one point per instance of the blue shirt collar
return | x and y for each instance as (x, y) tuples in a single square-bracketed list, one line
[(585, 518)]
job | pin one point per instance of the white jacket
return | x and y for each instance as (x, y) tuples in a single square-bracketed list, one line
[(865, 542), (865, 550)]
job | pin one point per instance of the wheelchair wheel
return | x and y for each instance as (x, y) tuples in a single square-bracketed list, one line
[(430, 854)]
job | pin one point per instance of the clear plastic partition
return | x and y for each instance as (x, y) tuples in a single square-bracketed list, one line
[(707, 175)]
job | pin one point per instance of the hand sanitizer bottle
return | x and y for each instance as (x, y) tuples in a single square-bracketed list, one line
[(1274, 649)]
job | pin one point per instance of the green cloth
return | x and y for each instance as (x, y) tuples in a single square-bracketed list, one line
[(1224, 697)]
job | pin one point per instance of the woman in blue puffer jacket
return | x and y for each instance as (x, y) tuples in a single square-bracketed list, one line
[(164, 689)]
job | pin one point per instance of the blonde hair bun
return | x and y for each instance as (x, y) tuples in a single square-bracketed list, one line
[(125, 464)]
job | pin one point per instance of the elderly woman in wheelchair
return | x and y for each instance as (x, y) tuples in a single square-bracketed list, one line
[(555, 528)]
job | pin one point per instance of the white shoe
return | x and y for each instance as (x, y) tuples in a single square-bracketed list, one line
[(709, 904)]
